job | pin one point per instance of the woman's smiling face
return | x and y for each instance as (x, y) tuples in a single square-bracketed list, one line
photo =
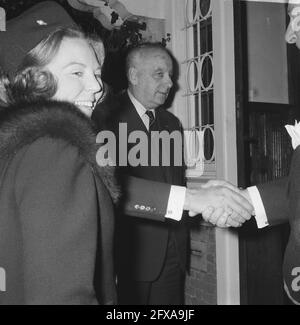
[(78, 74)]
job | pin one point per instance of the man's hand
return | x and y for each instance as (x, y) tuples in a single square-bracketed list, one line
[(225, 218), (220, 203)]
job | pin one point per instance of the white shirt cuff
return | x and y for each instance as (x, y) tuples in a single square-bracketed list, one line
[(176, 202), (260, 212)]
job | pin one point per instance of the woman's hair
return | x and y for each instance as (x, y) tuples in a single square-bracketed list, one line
[(31, 81)]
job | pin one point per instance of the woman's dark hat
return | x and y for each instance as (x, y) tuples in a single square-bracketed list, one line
[(24, 32)]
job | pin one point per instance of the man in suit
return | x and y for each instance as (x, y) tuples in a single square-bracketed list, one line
[(151, 255), (275, 203), (278, 201)]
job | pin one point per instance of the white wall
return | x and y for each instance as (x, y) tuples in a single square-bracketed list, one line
[(268, 80), (172, 11), (149, 8), (175, 13)]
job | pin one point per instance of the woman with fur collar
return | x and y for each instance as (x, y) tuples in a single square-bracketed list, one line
[(56, 212)]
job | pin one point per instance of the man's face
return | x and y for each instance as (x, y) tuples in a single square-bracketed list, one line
[(153, 79), (292, 34)]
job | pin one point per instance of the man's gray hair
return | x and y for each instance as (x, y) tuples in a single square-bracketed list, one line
[(136, 54)]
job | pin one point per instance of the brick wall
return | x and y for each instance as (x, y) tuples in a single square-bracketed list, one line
[(201, 283)]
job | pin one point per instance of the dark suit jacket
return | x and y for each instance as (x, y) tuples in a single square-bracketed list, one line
[(141, 243), (282, 203), (139, 191), (291, 264)]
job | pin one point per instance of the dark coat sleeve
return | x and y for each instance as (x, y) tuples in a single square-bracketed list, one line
[(146, 199), (56, 198), (274, 197), (149, 199), (291, 263)]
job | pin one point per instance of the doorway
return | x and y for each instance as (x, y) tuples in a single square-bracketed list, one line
[(263, 146)]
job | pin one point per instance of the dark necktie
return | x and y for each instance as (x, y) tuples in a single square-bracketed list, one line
[(151, 118)]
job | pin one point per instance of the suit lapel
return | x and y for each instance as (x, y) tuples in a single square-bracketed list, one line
[(130, 116), (162, 124)]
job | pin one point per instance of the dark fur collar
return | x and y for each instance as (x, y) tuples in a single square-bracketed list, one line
[(20, 125)]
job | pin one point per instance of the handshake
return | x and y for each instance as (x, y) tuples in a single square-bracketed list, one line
[(220, 203)]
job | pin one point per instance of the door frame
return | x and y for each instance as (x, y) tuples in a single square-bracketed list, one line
[(227, 241)]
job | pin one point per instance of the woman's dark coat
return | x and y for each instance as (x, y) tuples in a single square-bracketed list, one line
[(56, 212)]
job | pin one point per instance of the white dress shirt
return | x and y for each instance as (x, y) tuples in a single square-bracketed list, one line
[(259, 209)]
